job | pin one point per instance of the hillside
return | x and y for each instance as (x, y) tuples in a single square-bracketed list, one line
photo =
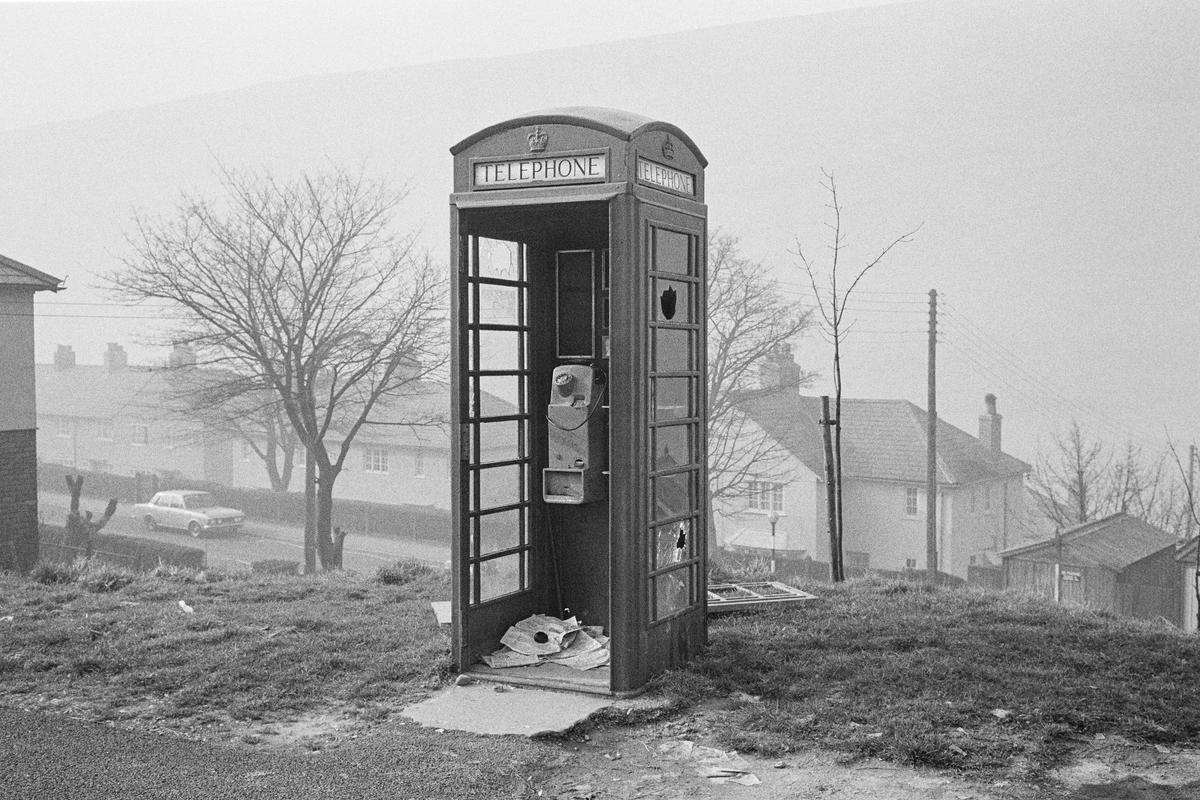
[(1048, 148)]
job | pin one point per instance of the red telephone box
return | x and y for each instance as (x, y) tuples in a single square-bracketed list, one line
[(578, 244)]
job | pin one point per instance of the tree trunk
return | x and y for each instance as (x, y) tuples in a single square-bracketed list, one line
[(325, 547), (310, 515)]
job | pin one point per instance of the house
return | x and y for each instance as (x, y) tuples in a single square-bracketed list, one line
[(980, 503), (18, 413), (1118, 563), (116, 418)]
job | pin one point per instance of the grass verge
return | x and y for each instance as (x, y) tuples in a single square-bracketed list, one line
[(184, 645), (943, 677)]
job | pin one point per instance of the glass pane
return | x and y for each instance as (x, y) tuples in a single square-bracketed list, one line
[(674, 495), (671, 396), (672, 592), (497, 259), (670, 251), (500, 441), (498, 395), (671, 544), (673, 446), (500, 349), (672, 301), (499, 486), (575, 309), (498, 304), (499, 531), (672, 350), (500, 576)]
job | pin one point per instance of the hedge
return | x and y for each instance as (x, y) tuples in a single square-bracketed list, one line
[(357, 516), (131, 552)]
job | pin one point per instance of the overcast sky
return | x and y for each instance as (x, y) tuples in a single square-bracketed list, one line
[(65, 61)]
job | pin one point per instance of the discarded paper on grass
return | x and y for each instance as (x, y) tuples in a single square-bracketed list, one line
[(541, 639)]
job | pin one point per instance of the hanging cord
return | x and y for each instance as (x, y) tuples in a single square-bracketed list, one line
[(554, 557), (595, 405)]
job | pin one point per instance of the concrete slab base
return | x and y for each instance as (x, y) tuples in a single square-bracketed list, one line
[(481, 708)]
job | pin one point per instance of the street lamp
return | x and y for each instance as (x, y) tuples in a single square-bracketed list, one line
[(773, 518)]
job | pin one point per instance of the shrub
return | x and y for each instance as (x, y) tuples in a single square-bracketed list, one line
[(49, 572), (403, 572), (276, 566)]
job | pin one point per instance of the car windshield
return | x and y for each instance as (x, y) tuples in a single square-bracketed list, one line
[(198, 501)]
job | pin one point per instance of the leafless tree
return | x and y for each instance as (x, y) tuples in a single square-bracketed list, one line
[(831, 302), (1083, 478), (301, 288), (748, 321), (234, 406)]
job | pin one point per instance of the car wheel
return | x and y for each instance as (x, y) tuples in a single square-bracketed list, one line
[(194, 529), (149, 522)]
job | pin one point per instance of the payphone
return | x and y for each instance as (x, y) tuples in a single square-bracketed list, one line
[(578, 390)]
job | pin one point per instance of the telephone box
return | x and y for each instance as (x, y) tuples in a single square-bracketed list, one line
[(578, 244)]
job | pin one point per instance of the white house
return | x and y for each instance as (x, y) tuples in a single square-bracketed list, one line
[(981, 496)]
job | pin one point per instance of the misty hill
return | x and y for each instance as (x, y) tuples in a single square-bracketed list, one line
[(1049, 150)]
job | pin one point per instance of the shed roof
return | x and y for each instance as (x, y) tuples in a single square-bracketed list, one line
[(1115, 542), (14, 273), (613, 121), (881, 439)]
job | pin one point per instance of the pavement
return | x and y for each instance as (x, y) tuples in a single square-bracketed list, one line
[(498, 709)]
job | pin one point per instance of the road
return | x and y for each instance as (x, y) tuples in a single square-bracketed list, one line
[(256, 541)]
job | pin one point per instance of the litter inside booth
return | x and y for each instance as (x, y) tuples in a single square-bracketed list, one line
[(578, 246)]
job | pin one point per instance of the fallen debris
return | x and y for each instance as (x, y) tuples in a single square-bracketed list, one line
[(719, 766), (542, 639)]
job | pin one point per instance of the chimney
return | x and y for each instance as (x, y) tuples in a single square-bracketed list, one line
[(115, 357), (64, 357), (181, 356), (779, 369), (989, 425)]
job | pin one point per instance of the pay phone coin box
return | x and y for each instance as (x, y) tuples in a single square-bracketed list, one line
[(578, 440)]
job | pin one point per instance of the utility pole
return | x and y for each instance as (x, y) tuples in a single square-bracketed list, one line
[(931, 544), (835, 535)]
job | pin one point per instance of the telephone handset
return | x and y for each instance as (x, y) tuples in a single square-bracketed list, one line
[(577, 435)]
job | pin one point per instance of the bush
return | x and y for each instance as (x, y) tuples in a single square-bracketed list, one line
[(52, 572), (403, 572), (131, 552)]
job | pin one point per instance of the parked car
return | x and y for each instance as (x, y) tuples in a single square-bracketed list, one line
[(188, 510)]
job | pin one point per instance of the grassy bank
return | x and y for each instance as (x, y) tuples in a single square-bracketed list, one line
[(944, 677), (114, 645)]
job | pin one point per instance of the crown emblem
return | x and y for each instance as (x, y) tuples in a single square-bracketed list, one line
[(538, 140), (668, 148)]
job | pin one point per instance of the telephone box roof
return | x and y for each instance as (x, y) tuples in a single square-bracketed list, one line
[(621, 124)]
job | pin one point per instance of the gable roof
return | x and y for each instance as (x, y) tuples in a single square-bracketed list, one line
[(1115, 542), (14, 273), (881, 439)]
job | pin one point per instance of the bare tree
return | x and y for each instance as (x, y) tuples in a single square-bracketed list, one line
[(1084, 478), (831, 303), (232, 405), (300, 288), (748, 321)]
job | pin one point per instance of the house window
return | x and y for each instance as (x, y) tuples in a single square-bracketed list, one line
[(104, 430), (375, 459), (765, 496), (245, 450), (141, 434), (910, 563), (62, 426), (912, 500), (419, 463), (987, 498)]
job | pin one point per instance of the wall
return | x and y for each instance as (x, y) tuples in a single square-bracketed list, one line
[(875, 522), (18, 500), (801, 525), (16, 359), (1151, 588), (82, 447), (984, 518)]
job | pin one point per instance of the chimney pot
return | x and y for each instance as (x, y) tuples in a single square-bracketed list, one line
[(64, 357), (989, 424), (115, 357)]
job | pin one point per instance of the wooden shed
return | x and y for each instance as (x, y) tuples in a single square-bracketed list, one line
[(1118, 564), (1185, 559)]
